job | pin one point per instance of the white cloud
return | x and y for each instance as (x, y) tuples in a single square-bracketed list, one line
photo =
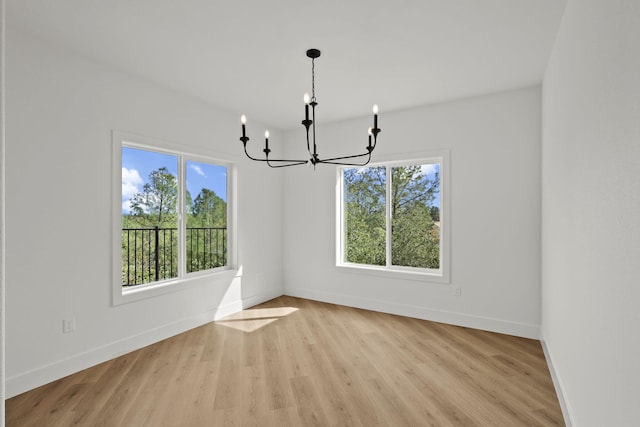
[(198, 170), (126, 206), (130, 181)]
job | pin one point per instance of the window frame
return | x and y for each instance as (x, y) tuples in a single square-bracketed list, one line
[(440, 275), (184, 280)]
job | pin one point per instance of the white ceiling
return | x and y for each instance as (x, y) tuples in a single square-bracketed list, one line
[(249, 56)]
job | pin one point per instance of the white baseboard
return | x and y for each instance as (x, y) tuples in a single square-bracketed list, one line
[(259, 299), (459, 319), (26, 381), (557, 384)]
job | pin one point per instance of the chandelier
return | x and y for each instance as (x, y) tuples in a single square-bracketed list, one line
[(310, 127)]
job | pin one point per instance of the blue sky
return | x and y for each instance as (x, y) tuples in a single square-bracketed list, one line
[(138, 164), (430, 170)]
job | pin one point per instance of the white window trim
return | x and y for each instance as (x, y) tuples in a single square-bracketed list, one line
[(184, 280), (442, 275)]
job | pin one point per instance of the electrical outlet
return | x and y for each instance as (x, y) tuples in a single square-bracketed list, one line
[(68, 325), (457, 291)]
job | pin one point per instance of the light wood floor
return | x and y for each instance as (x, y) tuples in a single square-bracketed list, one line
[(295, 362)]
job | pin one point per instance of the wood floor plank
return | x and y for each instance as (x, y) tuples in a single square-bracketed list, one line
[(297, 362)]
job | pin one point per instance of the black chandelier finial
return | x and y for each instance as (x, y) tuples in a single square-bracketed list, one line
[(310, 125)]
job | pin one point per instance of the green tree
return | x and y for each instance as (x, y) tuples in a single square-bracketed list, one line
[(415, 235), (435, 213), (209, 210), (365, 229), (189, 203), (205, 239), (156, 204)]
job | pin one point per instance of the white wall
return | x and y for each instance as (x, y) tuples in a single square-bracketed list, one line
[(494, 144), (61, 110), (591, 212)]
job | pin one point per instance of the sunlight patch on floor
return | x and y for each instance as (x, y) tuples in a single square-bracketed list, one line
[(253, 319)]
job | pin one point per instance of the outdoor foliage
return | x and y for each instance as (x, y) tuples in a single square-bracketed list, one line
[(415, 231), (365, 207), (156, 204), (150, 233), (206, 232)]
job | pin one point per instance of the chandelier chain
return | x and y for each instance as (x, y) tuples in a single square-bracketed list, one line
[(313, 80)]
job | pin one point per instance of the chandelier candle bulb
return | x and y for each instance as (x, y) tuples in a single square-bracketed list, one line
[(306, 106), (266, 139), (243, 120), (375, 116)]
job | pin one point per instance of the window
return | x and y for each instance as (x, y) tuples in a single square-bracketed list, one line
[(391, 218), (149, 216), (172, 220)]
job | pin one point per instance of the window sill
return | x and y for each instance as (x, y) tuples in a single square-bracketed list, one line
[(140, 292), (396, 273)]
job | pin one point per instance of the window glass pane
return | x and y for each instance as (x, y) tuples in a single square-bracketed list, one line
[(364, 215), (415, 213), (149, 216), (206, 207)]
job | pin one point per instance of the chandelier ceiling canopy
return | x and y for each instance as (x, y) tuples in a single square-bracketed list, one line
[(310, 126)]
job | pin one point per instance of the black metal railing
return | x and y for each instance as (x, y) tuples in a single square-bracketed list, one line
[(151, 254), (206, 248)]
